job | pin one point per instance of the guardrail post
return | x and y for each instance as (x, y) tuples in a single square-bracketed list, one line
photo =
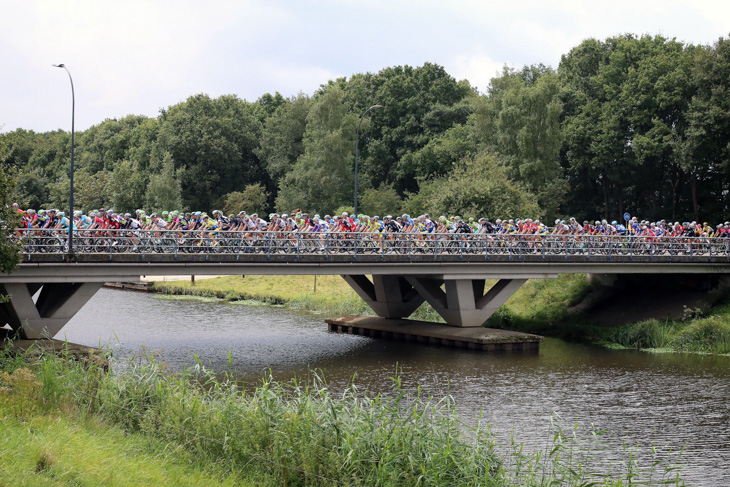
[(590, 240), (240, 241), (486, 246), (610, 248), (268, 245), (357, 239), (709, 240), (327, 246), (519, 244), (543, 246), (409, 243), (299, 241), (435, 246), (631, 248)]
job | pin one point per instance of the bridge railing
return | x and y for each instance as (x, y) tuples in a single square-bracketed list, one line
[(515, 246)]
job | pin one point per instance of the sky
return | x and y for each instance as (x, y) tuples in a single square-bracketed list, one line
[(137, 57)]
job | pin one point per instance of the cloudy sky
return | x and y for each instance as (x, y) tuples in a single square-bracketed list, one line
[(130, 56)]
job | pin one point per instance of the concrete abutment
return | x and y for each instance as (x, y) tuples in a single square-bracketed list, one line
[(43, 317)]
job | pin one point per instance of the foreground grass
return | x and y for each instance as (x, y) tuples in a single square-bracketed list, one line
[(69, 422), (63, 449)]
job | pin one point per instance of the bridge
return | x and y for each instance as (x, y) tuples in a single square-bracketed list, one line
[(448, 271)]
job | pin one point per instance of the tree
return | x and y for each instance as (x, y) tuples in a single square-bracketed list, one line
[(478, 186), (381, 201), (323, 177), (164, 191), (212, 143), (253, 199), (282, 137), (418, 104), (9, 249), (520, 120)]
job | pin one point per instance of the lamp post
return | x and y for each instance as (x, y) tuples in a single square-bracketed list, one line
[(357, 149), (71, 198)]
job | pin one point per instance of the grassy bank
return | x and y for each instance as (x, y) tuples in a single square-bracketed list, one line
[(540, 306), (69, 422)]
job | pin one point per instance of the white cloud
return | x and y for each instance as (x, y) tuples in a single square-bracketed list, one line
[(136, 56), (478, 68)]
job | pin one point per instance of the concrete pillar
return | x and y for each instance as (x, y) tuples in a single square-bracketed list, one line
[(57, 303), (462, 302), (388, 296)]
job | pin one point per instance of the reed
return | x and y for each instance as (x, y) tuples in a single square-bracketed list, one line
[(298, 433)]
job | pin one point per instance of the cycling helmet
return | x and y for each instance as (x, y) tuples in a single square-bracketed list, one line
[(327, 217), (376, 217), (344, 213), (76, 213), (614, 222), (597, 222), (500, 221), (164, 213), (284, 215), (537, 222), (557, 221), (214, 212), (61, 214), (255, 215)]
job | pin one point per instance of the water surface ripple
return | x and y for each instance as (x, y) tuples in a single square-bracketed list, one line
[(667, 399)]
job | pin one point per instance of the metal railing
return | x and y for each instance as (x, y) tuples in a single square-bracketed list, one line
[(515, 246)]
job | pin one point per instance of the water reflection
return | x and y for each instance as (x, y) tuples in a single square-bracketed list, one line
[(669, 399)]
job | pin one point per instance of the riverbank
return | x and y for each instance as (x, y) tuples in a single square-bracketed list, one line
[(70, 421), (543, 306)]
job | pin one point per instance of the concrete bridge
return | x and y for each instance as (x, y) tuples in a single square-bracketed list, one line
[(48, 288)]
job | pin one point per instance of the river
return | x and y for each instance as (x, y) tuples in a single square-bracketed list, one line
[(670, 400)]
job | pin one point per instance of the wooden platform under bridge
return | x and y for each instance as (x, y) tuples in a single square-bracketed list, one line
[(472, 338)]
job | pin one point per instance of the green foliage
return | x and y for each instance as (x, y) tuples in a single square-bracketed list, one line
[(253, 199), (478, 186), (381, 201), (211, 142), (520, 120), (9, 248), (629, 123), (323, 177), (164, 191), (282, 137)]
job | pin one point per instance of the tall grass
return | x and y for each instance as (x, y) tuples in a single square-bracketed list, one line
[(300, 433)]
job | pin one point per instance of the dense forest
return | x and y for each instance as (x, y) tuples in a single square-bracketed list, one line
[(637, 124)]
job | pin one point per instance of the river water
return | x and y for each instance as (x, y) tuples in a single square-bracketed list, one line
[(670, 400)]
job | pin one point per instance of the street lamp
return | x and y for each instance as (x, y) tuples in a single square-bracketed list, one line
[(357, 149), (71, 199)]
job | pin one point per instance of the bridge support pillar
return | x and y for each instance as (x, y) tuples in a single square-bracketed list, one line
[(463, 302), (388, 296), (56, 304)]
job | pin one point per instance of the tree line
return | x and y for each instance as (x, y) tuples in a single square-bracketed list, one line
[(637, 124)]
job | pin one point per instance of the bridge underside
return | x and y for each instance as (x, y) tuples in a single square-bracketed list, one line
[(40, 310), (460, 302)]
